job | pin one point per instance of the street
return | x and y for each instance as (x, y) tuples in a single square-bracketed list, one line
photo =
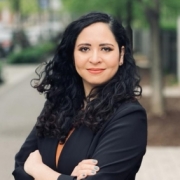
[(19, 108)]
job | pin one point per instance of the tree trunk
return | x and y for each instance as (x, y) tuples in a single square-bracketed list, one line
[(129, 19), (157, 105)]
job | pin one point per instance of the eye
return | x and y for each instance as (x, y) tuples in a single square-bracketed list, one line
[(107, 49), (84, 49)]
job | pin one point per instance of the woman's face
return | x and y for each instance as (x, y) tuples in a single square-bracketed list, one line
[(96, 55)]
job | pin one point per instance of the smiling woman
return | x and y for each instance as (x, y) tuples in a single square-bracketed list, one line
[(96, 55), (92, 125)]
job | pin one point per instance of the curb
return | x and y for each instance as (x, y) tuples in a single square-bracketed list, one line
[(173, 91)]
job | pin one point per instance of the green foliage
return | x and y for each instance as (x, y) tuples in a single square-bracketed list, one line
[(139, 20), (23, 6), (32, 54), (29, 7), (114, 7), (4, 4), (169, 10)]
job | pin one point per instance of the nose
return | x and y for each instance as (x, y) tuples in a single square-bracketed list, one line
[(95, 58)]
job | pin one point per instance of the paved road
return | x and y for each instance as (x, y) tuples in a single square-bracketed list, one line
[(20, 105)]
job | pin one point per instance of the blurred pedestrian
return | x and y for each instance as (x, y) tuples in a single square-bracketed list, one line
[(92, 125)]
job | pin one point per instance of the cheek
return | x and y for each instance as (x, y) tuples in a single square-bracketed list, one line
[(113, 59), (80, 60), (114, 63), (78, 63), (76, 59)]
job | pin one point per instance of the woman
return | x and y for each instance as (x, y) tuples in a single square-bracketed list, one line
[(92, 125)]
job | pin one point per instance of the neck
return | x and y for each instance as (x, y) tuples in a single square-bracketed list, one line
[(87, 89)]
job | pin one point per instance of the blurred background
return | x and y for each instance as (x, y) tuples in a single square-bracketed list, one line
[(30, 31)]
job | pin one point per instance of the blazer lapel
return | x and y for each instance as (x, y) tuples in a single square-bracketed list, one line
[(47, 148), (75, 149)]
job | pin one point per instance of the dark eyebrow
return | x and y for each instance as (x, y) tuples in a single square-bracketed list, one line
[(84, 44), (105, 44)]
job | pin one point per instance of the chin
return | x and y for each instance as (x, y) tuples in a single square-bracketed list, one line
[(93, 84)]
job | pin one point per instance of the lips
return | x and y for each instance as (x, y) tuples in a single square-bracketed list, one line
[(95, 70)]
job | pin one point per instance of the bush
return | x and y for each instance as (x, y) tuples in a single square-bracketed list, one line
[(32, 54)]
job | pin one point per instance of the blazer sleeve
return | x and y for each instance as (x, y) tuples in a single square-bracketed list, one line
[(28, 146), (121, 146)]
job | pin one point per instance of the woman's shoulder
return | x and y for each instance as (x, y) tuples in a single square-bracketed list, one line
[(129, 109), (128, 120)]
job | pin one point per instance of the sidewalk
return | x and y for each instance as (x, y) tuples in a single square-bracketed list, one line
[(14, 74), (159, 163), (173, 91)]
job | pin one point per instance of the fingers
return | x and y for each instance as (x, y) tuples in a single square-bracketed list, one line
[(89, 161), (89, 164), (87, 167), (82, 174), (90, 169)]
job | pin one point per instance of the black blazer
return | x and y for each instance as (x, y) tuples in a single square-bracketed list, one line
[(118, 146)]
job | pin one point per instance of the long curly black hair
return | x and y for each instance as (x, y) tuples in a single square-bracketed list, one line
[(64, 108)]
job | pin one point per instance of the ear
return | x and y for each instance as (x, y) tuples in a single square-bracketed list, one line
[(121, 60)]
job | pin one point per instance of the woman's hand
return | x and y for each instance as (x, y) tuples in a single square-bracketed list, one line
[(33, 162), (37, 169), (85, 168)]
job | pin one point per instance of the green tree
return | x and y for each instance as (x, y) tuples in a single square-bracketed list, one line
[(152, 12), (26, 7), (170, 10), (114, 7), (155, 12)]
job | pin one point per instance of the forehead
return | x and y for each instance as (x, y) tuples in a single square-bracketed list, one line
[(96, 32)]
